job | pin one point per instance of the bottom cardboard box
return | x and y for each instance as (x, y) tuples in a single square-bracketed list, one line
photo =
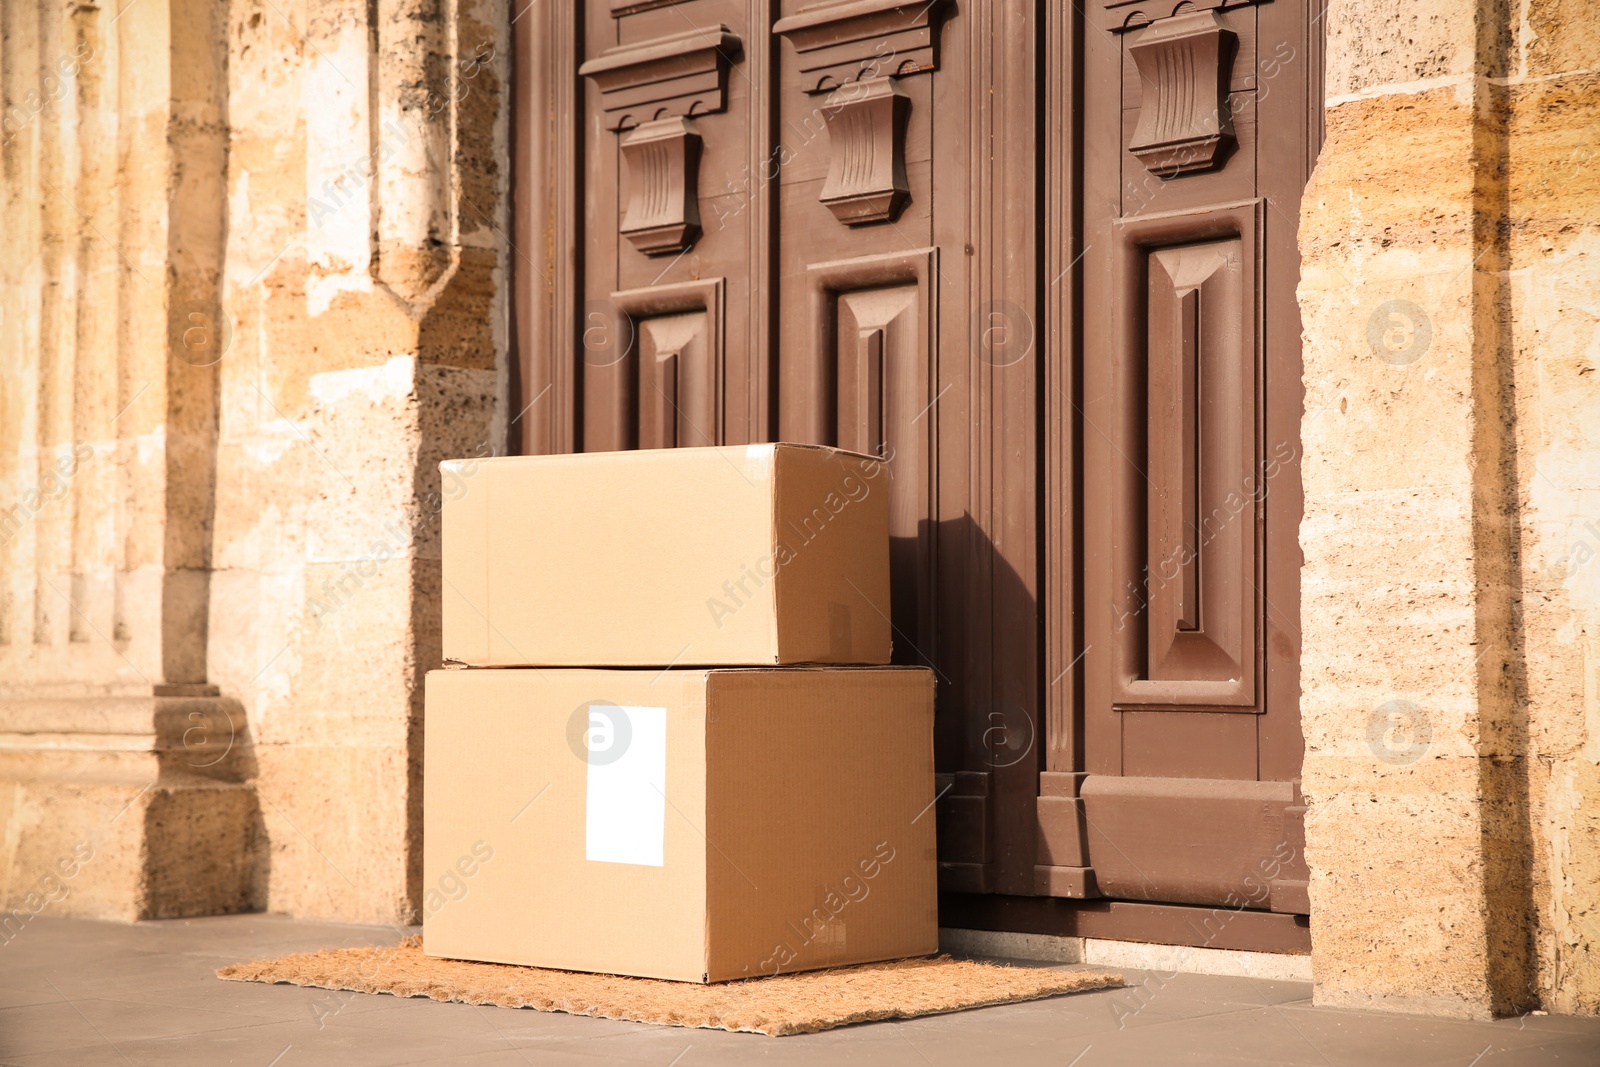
[(699, 825)]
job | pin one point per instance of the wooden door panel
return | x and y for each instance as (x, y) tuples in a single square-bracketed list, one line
[(1178, 744), (677, 120), (1187, 840), (1196, 590), (639, 22), (1185, 538), (877, 194), (678, 381), (675, 363), (610, 395), (1173, 770), (967, 136)]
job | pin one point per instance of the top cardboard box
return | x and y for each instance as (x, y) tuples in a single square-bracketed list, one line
[(744, 556)]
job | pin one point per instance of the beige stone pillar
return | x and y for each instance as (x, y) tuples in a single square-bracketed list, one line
[(1448, 694), (1552, 104), (121, 767), (254, 255), (365, 298)]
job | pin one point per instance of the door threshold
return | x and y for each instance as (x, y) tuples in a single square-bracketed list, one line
[(1234, 929), (1162, 959)]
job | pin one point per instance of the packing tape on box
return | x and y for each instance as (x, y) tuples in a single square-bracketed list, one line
[(758, 462)]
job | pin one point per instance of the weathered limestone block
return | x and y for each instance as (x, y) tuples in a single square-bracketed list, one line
[(1377, 44), (1392, 704), (326, 608), (125, 808), (1553, 240), (1408, 896), (1450, 350), (336, 825), (116, 794)]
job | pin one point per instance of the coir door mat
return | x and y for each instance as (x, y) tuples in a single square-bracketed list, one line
[(786, 1004)]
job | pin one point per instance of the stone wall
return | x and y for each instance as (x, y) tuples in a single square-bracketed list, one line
[(1450, 699), (253, 290)]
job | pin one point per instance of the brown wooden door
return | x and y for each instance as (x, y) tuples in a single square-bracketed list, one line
[(1175, 750), (743, 220), (1043, 258)]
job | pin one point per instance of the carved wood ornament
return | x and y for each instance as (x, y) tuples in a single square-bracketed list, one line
[(1184, 120), (1184, 53), (620, 8), (854, 52), (867, 171), (662, 213), (650, 93)]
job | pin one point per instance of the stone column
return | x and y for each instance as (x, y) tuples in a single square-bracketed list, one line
[(1551, 105), (365, 301), (121, 767), (255, 257), (1451, 760)]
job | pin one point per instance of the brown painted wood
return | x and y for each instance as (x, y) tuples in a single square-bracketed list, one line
[(1173, 426), (547, 226), (1188, 840), (749, 220)]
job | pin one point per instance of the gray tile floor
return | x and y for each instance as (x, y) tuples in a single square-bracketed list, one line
[(86, 993)]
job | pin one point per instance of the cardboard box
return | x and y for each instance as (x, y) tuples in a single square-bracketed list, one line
[(756, 555), (698, 825)]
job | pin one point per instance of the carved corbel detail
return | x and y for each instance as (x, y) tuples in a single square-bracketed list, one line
[(854, 52), (650, 92), (1184, 119), (663, 209), (867, 170)]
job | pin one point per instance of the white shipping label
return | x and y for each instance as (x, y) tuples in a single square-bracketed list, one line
[(625, 818)]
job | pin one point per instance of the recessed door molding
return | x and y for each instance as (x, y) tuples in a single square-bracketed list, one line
[(839, 43), (674, 370), (1187, 585), (873, 367)]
